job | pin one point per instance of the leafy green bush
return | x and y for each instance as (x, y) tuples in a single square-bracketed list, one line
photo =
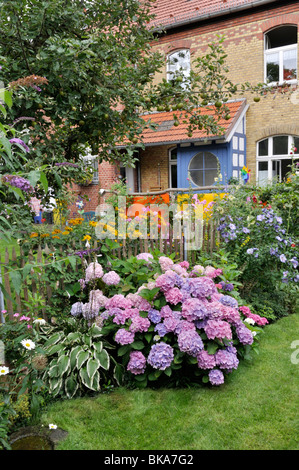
[(79, 361), (262, 242)]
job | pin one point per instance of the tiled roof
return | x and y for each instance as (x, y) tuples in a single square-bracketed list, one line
[(167, 133), (175, 12)]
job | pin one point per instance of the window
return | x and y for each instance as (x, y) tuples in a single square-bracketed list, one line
[(91, 161), (179, 61), (281, 55), (203, 169), (274, 157), (173, 168)]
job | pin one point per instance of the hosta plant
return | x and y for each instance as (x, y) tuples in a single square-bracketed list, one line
[(78, 359)]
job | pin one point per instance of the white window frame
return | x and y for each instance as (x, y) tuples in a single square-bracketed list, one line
[(170, 74), (171, 163), (270, 158), (280, 51), (92, 161)]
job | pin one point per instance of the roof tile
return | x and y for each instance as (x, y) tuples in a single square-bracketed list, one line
[(166, 132), (177, 11)]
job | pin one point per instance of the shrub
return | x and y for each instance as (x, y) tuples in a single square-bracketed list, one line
[(174, 328)]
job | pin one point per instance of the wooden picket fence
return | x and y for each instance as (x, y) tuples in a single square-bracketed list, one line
[(16, 301)]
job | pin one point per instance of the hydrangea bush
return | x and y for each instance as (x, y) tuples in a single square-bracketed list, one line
[(178, 327)]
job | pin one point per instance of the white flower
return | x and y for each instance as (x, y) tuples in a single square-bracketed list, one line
[(52, 426), (28, 344), (250, 321), (4, 370), (40, 321)]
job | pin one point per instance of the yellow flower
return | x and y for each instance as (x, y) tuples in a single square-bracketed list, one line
[(56, 231), (66, 232), (33, 235), (56, 236), (93, 223), (44, 235), (87, 237)]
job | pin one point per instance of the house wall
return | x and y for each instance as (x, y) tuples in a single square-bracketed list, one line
[(244, 45), (108, 174)]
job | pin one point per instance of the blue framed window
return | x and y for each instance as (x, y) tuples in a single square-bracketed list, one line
[(203, 169)]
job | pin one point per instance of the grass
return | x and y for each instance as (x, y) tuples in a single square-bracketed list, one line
[(256, 409)]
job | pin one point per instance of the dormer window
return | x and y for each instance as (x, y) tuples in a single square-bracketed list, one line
[(178, 63), (281, 55)]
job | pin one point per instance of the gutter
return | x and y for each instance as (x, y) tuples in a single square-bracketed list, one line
[(206, 16)]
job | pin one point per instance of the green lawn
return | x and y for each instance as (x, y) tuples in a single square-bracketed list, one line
[(255, 409)]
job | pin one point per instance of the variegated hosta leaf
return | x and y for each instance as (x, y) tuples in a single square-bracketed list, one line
[(73, 356), (95, 331), (98, 346), (63, 364), (92, 366), (55, 385), (81, 358), (96, 381), (118, 373), (55, 348), (86, 379), (57, 337), (73, 336), (71, 386), (53, 371), (104, 359)]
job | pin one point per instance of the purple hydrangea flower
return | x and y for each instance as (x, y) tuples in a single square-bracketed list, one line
[(228, 301), (137, 363), (161, 329), (193, 309), (190, 342), (154, 315), (226, 360), (77, 309), (90, 310), (160, 356), (206, 360), (216, 377), (124, 336), (244, 334)]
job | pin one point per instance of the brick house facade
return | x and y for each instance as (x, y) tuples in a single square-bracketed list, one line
[(261, 38)]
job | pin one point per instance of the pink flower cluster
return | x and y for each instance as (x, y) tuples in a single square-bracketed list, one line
[(261, 321)]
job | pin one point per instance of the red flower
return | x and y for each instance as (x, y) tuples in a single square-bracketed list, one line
[(43, 220)]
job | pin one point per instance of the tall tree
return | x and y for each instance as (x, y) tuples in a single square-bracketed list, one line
[(73, 66)]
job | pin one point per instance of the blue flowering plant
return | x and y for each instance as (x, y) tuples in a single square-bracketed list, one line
[(256, 237), (179, 327)]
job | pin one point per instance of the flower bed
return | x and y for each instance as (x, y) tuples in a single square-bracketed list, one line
[(178, 327)]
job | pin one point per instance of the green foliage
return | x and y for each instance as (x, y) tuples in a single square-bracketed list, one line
[(79, 361), (258, 233)]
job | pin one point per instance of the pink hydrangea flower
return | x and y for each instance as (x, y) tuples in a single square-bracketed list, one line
[(111, 278), (218, 329), (174, 296), (93, 271), (165, 263)]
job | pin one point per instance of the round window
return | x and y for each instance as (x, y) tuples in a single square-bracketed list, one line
[(203, 169)]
